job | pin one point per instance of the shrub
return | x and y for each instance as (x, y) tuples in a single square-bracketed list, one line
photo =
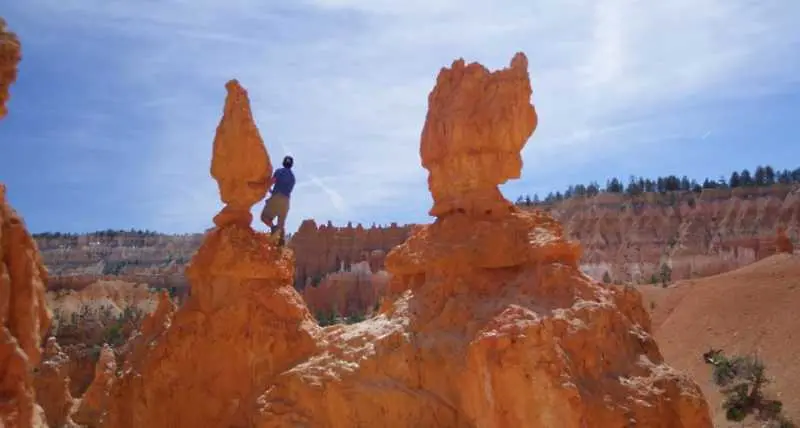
[(741, 380)]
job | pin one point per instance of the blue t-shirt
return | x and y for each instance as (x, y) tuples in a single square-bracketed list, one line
[(284, 181)]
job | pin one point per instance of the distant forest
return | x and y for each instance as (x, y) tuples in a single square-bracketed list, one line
[(109, 233), (761, 177)]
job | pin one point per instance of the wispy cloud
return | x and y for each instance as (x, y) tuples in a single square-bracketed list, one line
[(342, 85), (336, 200)]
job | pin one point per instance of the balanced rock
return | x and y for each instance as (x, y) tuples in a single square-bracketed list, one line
[(240, 162), (477, 124), (205, 363), (493, 323)]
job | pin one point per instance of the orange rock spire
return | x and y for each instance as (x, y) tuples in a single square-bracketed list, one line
[(492, 323), (24, 317), (477, 124), (240, 162), (10, 55)]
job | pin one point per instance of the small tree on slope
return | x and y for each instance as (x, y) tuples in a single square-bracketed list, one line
[(741, 381)]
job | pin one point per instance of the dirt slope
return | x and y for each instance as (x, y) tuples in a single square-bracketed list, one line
[(752, 309)]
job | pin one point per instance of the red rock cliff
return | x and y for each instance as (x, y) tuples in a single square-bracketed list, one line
[(695, 235), (321, 250), (24, 317)]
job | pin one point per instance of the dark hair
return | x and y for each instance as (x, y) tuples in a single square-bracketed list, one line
[(288, 161)]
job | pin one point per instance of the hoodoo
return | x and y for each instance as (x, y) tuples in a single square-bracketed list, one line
[(24, 317), (493, 324), (206, 363), (490, 324)]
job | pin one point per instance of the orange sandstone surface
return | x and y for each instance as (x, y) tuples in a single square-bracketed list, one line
[(24, 317), (490, 321)]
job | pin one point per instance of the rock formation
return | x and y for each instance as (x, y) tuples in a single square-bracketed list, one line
[(630, 237), (10, 55), (94, 402), (104, 312), (243, 323), (52, 386), (696, 235), (494, 325), (782, 242), (24, 317), (354, 293), (76, 261), (463, 173), (320, 250), (240, 162)]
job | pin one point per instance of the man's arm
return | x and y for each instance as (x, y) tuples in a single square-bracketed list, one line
[(269, 181)]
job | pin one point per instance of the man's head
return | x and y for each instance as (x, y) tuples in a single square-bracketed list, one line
[(288, 161)]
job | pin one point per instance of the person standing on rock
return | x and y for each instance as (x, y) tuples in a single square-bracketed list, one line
[(277, 204)]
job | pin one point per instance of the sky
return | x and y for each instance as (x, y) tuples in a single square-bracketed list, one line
[(112, 118)]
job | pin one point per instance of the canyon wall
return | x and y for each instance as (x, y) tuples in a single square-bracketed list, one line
[(631, 238), (695, 235), (320, 250), (75, 261)]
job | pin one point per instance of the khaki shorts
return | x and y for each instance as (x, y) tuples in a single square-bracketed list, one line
[(277, 206)]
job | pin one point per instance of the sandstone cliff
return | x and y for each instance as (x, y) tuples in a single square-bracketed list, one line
[(24, 317), (76, 261), (352, 294), (491, 323), (695, 235), (320, 250)]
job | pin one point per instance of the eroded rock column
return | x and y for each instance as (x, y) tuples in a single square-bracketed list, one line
[(24, 317), (204, 364)]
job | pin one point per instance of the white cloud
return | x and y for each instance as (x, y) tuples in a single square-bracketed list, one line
[(343, 84)]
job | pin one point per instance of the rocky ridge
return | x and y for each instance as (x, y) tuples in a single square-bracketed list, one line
[(696, 235)]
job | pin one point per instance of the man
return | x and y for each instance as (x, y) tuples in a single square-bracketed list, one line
[(278, 203)]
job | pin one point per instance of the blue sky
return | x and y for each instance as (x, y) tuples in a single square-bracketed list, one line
[(112, 118)]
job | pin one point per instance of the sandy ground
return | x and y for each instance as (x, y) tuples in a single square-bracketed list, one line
[(755, 309)]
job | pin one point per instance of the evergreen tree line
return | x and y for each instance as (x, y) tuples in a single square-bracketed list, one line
[(109, 233), (761, 177)]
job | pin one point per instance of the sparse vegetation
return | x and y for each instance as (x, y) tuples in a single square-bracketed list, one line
[(96, 326), (665, 275), (762, 177), (741, 380), (326, 318), (606, 278)]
